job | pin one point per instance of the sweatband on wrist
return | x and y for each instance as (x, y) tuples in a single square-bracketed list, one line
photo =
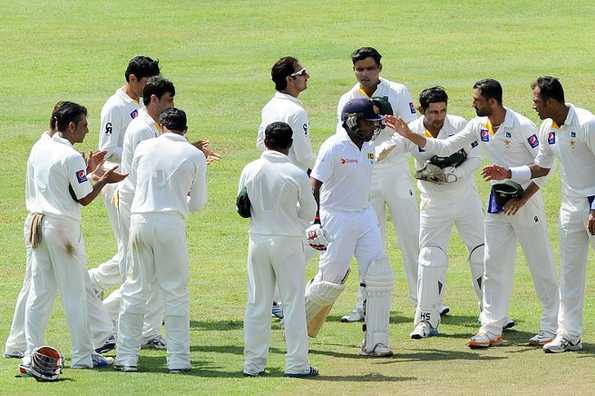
[(520, 174)]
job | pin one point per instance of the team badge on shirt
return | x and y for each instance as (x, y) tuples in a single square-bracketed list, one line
[(81, 176), (474, 144), (412, 108), (484, 134), (134, 113), (573, 134), (345, 161), (551, 137), (508, 134), (533, 141)]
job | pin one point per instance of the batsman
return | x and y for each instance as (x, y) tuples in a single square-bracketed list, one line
[(347, 225)]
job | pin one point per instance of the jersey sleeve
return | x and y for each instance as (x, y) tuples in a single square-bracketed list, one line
[(404, 106), (260, 136), (589, 130), (533, 145), (545, 155), (197, 197), (323, 169), (111, 131), (301, 147), (77, 176), (307, 203)]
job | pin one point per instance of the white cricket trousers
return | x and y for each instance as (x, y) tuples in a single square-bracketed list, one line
[(437, 216), (58, 263), (529, 227), (574, 250), (392, 186), (350, 234), (157, 257), (107, 274), (275, 260), (154, 312)]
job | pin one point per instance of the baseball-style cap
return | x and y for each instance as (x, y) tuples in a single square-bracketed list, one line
[(362, 106)]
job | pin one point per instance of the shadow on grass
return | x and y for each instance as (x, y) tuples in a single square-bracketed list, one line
[(588, 351), (362, 378), (437, 354), (394, 319), (216, 325)]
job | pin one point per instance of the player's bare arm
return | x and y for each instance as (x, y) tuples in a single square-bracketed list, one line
[(316, 184), (497, 172), (111, 176)]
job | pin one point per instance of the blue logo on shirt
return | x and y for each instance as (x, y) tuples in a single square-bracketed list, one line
[(551, 137), (484, 135), (508, 135), (81, 176), (412, 108), (533, 141), (134, 113)]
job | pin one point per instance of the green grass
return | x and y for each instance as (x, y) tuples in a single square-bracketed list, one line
[(219, 56)]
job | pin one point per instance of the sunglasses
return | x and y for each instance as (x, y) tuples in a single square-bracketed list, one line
[(302, 72)]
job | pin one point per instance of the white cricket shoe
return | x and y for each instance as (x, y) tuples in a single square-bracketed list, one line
[(357, 315), (444, 310), (484, 340), (379, 350), (541, 338), (562, 344), (423, 330)]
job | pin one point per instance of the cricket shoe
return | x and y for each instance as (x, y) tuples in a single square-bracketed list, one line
[(379, 350), (109, 345), (252, 374), (180, 370), (357, 315), (100, 361), (484, 340), (444, 310), (155, 343), (14, 355), (508, 324), (423, 330), (277, 311), (562, 344), (311, 372), (541, 338), (125, 368)]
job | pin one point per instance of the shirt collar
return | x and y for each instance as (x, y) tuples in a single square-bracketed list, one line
[(375, 93), (284, 96), (122, 94), (173, 136), (571, 116), (508, 118), (59, 139), (274, 156)]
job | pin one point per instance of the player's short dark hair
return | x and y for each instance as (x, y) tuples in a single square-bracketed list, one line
[(281, 69), (489, 89), (142, 66), (174, 120), (68, 112), (549, 88), (432, 95), (366, 52), (278, 136), (53, 118), (157, 86)]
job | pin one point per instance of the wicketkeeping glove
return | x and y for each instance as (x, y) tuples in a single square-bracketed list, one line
[(316, 237)]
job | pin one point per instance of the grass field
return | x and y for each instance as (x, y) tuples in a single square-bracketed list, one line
[(219, 56)]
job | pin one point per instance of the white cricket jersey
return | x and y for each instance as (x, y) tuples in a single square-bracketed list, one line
[(345, 172), (57, 166), (168, 174), (286, 108), (116, 114), (141, 128), (464, 172), (574, 143), (281, 199), (515, 143), (400, 100), (30, 191)]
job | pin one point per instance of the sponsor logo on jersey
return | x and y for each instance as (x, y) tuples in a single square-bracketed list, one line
[(421, 150), (551, 137), (572, 134), (484, 134), (412, 108), (508, 134), (474, 144), (345, 161), (134, 113), (305, 126), (533, 141), (81, 176)]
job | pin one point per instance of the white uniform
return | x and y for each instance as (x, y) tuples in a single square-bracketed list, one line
[(352, 230), (141, 128), (116, 114), (574, 144), (169, 175), (281, 204), (99, 322), (514, 144), (286, 108), (59, 260), (391, 181), (442, 206)]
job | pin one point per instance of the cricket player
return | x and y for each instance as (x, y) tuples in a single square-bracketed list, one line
[(567, 132), (119, 110), (341, 181), (169, 179), (61, 185), (99, 321), (391, 182), (281, 203), (158, 96), (290, 79), (510, 140), (447, 200)]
